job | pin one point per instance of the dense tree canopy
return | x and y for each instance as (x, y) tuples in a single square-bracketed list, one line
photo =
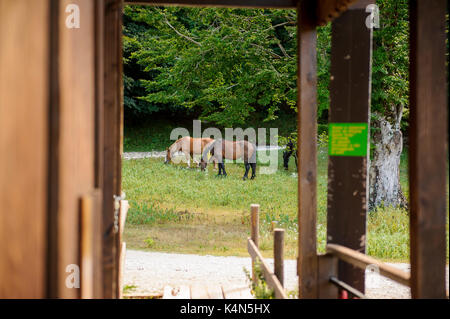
[(221, 64)]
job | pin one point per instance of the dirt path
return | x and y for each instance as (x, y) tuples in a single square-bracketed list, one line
[(162, 154), (151, 271)]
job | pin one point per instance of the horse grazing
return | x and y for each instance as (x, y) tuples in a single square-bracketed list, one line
[(231, 150), (189, 146)]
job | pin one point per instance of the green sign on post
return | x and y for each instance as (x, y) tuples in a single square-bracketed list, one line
[(347, 139)]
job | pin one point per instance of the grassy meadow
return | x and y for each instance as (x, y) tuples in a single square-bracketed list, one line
[(178, 209)]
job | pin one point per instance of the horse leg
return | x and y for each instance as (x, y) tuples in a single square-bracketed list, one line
[(224, 171), (247, 168), (188, 159), (220, 169), (253, 170)]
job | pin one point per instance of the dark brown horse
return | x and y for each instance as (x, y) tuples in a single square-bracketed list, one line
[(221, 149)]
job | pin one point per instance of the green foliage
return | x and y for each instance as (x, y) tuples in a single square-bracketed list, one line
[(223, 64), (227, 65), (390, 65), (259, 289)]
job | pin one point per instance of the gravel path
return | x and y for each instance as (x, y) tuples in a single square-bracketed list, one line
[(159, 154), (151, 271)]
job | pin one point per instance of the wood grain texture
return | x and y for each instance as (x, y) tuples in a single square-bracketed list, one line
[(112, 124), (87, 247), (327, 267), (362, 261), (428, 152), (350, 87), (77, 135), (97, 199), (24, 90), (307, 149), (278, 254)]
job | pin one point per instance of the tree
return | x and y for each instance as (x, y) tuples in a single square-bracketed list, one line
[(389, 102), (225, 64)]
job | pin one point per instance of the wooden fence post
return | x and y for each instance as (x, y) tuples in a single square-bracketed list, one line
[(351, 46), (428, 148), (254, 208), (307, 149), (278, 254)]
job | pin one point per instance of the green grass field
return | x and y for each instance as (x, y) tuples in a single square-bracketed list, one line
[(180, 209)]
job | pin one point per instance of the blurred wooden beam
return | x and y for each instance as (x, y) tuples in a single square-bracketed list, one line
[(428, 153), (307, 150), (350, 87)]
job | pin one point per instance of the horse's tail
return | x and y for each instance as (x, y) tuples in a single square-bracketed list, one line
[(207, 149)]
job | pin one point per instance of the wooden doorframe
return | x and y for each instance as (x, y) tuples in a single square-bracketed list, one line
[(112, 142), (427, 58)]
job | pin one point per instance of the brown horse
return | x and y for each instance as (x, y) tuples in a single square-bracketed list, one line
[(189, 146), (221, 149)]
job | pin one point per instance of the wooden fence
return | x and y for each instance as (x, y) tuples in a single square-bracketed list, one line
[(274, 279)]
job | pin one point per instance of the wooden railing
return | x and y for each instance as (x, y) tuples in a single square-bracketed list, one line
[(361, 261), (274, 279)]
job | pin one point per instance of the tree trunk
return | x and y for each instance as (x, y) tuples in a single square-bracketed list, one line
[(384, 175)]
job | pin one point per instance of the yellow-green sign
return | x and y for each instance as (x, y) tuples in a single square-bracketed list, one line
[(347, 139)]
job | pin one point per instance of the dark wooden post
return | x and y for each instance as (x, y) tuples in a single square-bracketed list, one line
[(254, 210), (307, 146), (348, 130), (112, 123), (428, 148), (278, 254)]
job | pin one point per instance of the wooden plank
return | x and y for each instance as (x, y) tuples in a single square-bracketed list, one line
[(254, 219), (278, 252), (99, 90), (269, 276), (123, 253), (24, 102), (179, 292), (230, 292), (87, 250), (97, 237), (221, 3), (328, 267), (361, 261), (428, 148), (112, 139), (53, 151), (307, 149), (350, 86), (76, 133)]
